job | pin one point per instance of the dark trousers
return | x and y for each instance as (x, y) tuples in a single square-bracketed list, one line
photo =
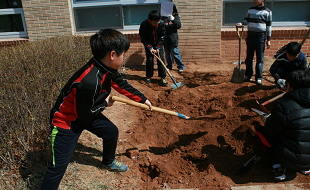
[(267, 144), (64, 142), (255, 43), (149, 68)]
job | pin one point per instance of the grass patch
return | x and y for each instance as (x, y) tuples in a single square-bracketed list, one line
[(31, 76)]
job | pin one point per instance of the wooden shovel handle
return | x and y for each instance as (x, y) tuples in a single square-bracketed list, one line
[(305, 38), (137, 104), (273, 99), (240, 46)]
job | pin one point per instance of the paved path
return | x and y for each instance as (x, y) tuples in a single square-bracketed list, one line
[(300, 186)]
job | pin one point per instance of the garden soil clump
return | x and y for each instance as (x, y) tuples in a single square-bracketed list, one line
[(167, 152)]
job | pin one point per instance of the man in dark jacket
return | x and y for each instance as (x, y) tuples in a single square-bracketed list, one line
[(172, 24), (152, 33), (288, 58), (287, 129)]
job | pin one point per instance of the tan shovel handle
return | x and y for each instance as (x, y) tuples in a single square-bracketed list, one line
[(273, 99), (305, 38), (137, 104), (240, 46)]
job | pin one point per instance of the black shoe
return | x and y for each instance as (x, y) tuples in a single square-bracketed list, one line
[(164, 82), (247, 79), (148, 80), (279, 173)]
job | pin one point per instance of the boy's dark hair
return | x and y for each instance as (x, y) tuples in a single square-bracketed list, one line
[(107, 40), (293, 48), (299, 79), (154, 15)]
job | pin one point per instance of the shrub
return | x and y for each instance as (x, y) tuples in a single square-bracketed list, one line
[(31, 76)]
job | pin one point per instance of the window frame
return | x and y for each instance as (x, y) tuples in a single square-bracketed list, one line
[(97, 3), (274, 23), (21, 34)]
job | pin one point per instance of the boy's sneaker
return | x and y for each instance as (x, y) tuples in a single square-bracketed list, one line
[(180, 70), (305, 172), (164, 82), (278, 172), (247, 79), (116, 166), (148, 81), (259, 82)]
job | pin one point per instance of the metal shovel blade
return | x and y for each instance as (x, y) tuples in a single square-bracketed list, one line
[(177, 85), (236, 63), (258, 111), (238, 75)]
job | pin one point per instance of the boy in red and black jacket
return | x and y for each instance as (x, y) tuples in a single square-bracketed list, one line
[(152, 34), (81, 102)]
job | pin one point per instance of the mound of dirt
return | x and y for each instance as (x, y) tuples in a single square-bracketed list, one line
[(170, 152)]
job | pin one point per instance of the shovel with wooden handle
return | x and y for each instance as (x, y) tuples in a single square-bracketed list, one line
[(176, 84), (137, 104), (238, 73)]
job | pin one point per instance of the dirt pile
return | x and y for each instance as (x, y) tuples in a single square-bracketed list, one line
[(177, 153)]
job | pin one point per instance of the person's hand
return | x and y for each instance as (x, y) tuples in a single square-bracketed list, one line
[(281, 83), (268, 44), (147, 102), (239, 24), (153, 51), (170, 17), (109, 101)]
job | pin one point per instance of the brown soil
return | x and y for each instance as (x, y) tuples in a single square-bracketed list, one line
[(177, 153)]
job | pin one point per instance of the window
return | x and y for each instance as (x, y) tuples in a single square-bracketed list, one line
[(92, 15), (12, 22), (284, 12)]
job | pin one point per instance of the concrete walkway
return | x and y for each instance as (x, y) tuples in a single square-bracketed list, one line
[(299, 186)]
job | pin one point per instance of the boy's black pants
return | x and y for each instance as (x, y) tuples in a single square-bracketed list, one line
[(267, 144), (64, 142), (149, 66)]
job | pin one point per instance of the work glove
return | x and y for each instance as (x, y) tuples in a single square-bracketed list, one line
[(281, 83), (170, 17), (265, 116)]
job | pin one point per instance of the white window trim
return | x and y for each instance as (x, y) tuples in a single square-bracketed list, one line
[(12, 11), (78, 4), (274, 24)]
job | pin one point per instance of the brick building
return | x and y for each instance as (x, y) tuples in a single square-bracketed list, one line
[(207, 34)]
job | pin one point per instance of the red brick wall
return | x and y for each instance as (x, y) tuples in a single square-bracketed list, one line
[(280, 37), (136, 53), (229, 45), (12, 42), (47, 18)]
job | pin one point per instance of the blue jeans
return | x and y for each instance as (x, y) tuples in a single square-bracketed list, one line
[(173, 51), (255, 43)]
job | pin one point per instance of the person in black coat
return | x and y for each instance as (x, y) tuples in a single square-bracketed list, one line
[(172, 24), (288, 58), (152, 33), (287, 130)]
